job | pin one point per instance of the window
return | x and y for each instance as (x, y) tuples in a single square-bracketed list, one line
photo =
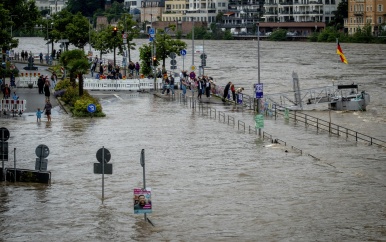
[(380, 8), (379, 20)]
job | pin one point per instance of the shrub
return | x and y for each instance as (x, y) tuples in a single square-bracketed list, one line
[(63, 84), (70, 96), (278, 35), (80, 107)]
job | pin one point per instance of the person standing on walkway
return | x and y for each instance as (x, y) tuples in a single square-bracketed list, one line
[(233, 90), (207, 88), (47, 90), (40, 84), (41, 57), (6, 91), (48, 108), (199, 88), (39, 115), (171, 82), (226, 90), (54, 79), (137, 67)]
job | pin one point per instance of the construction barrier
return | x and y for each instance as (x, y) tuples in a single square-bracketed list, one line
[(120, 84), (13, 106), (26, 81)]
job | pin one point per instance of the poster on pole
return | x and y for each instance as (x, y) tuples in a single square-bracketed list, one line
[(142, 200), (258, 90)]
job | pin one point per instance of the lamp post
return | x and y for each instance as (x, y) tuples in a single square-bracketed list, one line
[(193, 42), (48, 46), (258, 66), (12, 24)]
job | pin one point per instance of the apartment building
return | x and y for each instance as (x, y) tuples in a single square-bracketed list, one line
[(53, 6), (362, 12), (193, 10), (300, 10)]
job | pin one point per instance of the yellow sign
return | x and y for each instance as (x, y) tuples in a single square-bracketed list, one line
[(192, 68)]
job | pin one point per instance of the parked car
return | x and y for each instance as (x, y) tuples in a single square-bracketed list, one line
[(268, 33), (291, 33)]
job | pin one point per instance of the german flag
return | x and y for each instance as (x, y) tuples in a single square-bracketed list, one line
[(340, 53)]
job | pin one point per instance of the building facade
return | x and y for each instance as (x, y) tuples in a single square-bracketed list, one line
[(53, 6), (365, 12)]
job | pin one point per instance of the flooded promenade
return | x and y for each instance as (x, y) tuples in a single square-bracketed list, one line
[(210, 181)]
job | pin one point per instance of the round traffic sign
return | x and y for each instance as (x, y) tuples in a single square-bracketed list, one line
[(172, 55), (42, 151), (105, 152), (192, 75), (183, 52), (91, 108), (173, 62), (4, 134)]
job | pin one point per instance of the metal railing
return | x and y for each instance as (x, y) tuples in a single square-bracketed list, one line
[(321, 124)]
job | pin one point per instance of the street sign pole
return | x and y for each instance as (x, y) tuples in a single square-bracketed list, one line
[(143, 173), (103, 173)]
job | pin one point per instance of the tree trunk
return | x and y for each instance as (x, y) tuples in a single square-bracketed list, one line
[(80, 85), (72, 79)]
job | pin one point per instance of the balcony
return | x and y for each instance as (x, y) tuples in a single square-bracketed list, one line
[(358, 13)]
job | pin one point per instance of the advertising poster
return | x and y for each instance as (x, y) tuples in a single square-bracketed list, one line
[(142, 200)]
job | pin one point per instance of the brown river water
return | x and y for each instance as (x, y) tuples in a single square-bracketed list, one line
[(210, 181)]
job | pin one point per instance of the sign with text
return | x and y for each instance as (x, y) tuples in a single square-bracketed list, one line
[(258, 90), (259, 119), (142, 200)]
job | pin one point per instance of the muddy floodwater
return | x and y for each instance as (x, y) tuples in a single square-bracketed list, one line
[(210, 181)]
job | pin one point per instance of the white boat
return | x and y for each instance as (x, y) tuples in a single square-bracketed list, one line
[(349, 99)]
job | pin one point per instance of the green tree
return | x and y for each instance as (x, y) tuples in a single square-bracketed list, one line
[(129, 26), (14, 15), (278, 35), (339, 15), (166, 45), (115, 12), (75, 61), (75, 28), (227, 35), (145, 56), (363, 35), (100, 41), (200, 32), (86, 7)]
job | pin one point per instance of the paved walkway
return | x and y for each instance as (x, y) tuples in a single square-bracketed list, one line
[(31, 95)]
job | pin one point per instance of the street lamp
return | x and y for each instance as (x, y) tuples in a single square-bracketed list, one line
[(258, 66), (193, 42), (48, 46), (12, 24)]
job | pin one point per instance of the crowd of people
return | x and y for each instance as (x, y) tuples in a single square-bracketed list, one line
[(202, 85), (110, 71)]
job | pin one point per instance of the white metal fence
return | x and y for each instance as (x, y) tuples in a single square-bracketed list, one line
[(121, 84)]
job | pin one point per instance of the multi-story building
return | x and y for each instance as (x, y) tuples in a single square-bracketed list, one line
[(151, 10), (197, 10), (363, 12), (299, 10), (53, 6), (243, 15)]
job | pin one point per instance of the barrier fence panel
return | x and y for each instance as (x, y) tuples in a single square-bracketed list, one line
[(25, 81), (121, 84), (14, 106)]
